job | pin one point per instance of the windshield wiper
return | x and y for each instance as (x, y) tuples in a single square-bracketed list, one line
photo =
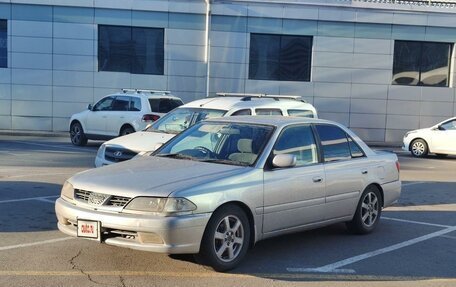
[(225, 161), (177, 155)]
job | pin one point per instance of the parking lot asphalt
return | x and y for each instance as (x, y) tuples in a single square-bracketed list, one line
[(414, 245)]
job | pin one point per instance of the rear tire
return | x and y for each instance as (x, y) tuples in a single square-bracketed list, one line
[(126, 130), (77, 135), (367, 213), (226, 239), (419, 148)]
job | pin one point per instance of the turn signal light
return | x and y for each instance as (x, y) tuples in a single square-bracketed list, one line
[(398, 166)]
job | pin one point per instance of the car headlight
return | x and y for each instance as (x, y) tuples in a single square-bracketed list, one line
[(67, 190), (101, 151), (167, 206)]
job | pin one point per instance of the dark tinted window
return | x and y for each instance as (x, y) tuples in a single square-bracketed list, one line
[(280, 57), (421, 63), (131, 49), (334, 142), (104, 104), (164, 105), (355, 150), (301, 113), (3, 44), (135, 104), (121, 103), (299, 141), (268, 112), (245, 112)]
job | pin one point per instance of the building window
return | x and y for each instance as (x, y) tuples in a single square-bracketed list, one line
[(421, 63), (3, 44), (133, 50), (280, 57)]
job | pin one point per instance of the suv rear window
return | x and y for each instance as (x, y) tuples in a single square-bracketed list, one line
[(164, 105)]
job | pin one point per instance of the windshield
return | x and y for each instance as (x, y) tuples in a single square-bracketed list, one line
[(183, 118), (225, 143)]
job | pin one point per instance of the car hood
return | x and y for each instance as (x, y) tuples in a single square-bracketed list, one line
[(151, 176), (140, 141)]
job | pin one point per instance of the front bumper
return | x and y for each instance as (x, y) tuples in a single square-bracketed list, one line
[(171, 235)]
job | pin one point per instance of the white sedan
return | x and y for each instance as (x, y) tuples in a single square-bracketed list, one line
[(439, 139)]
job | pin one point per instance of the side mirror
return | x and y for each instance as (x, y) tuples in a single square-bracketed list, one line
[(89, 107), (284, 160), (440, 128), (157, 146)]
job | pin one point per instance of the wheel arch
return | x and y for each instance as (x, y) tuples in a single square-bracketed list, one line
[(73, 121), (379, 187), (249, 214), (126, 125)]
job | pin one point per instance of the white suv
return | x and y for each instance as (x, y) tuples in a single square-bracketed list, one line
[(120, 114), (225, 104)]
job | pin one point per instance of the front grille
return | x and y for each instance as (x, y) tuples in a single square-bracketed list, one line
[(113, 200), (118, 154)]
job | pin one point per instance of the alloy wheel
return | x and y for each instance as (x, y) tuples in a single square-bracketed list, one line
[(228, 238), (76, 134), (369, 209)]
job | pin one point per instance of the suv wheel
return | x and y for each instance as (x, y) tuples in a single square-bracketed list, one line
[(77, 134), (126, 130)]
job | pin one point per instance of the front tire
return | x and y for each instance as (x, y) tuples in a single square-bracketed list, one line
[(226, 239), (367, 213), (419, 148), (77, 135)]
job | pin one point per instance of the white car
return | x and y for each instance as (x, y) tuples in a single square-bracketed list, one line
[(439, 139), (120, 114), (225, 104)]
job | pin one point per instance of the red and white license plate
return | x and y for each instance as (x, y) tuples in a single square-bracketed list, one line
[(89, 229)]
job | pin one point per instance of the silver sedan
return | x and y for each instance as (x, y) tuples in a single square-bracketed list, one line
[(224, 184)]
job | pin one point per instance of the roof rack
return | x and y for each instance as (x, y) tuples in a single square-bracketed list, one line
[(139, 91), (248, 97)]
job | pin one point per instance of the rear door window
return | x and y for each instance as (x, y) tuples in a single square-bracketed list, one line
[(121, 103), (135, 104), (334, 143), (355, 149), (268, 112)]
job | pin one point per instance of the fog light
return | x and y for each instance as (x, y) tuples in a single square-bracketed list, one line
[(145, 237)]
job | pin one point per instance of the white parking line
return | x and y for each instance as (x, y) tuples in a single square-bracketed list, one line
[(28, 198), (335, 267), (34, 243), (45, 200), (415, 222)]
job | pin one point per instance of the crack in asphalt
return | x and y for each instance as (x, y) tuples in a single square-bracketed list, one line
[(89, 277)]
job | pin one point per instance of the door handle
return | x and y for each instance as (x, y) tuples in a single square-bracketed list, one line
[(364, 171), (317, 179)]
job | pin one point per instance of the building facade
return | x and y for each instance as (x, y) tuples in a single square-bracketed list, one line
[(379, 67)]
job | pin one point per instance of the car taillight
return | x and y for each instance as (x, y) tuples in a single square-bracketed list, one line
[(149, 118), (398, 166)]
